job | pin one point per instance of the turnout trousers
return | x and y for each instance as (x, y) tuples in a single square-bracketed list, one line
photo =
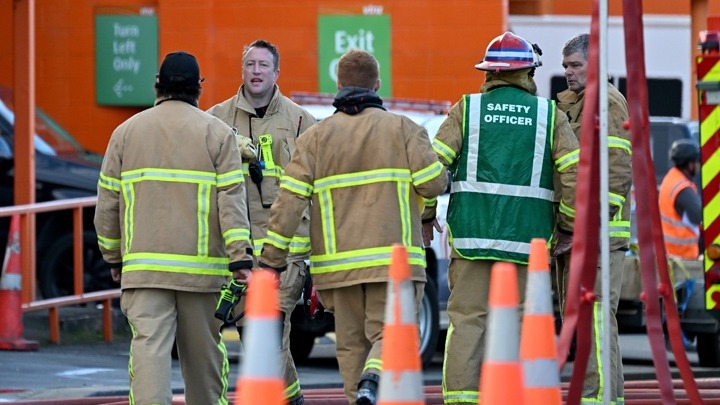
[(594, 385), (158, 317), (359, 319), (469, 282)]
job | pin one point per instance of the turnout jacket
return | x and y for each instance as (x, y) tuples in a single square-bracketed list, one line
[(284, 121), (365, 174), (619, 158), (170, 206), (504, 146)]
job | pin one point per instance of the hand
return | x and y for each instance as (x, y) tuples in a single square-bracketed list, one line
[(427, 231), (242, 276), (563, 244), (115, 273), (247, 149)]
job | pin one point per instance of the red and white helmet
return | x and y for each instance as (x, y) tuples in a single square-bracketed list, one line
[(509, 52)]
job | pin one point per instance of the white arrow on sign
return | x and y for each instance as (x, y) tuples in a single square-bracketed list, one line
[(121, 87)]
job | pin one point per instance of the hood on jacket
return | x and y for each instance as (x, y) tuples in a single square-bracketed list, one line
[(518, 78)]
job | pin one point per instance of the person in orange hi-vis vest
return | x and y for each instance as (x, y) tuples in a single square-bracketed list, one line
[(680, 205)]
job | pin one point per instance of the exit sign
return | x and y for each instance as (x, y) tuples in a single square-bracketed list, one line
[(126, 55)]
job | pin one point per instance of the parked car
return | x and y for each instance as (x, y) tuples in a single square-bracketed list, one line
[(63, 169), (432, 320)]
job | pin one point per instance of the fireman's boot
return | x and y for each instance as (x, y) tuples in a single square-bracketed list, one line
[(367, 389)]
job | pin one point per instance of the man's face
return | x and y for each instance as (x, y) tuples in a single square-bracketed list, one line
[(259, 73), (575, 67)]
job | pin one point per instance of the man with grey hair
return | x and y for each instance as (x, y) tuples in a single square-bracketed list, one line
[(571, 101)]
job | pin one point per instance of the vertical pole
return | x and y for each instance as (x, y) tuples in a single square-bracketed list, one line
[(24, 105)]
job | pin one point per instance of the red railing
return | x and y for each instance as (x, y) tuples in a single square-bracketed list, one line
[(28, 272)]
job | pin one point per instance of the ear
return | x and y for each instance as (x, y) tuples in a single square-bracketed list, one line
[(339, 86), (376, 87)]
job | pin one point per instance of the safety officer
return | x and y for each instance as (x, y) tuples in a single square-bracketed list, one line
[(268, 125), (172, 225), (504, 146), (364, 170), (680, 205)]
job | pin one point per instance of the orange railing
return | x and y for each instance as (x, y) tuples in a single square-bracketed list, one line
[(29, 303)]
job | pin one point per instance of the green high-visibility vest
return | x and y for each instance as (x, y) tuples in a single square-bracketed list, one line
[(502, 191)]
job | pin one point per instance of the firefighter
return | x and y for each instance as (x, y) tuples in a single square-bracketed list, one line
[(571, 102), (171, 222), (680, 205), (504, 146), (364, 170), (268, 124)]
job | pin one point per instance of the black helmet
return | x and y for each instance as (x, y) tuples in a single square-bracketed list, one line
[(683, 151)]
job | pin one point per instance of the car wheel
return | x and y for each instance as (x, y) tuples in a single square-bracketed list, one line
[(55, 268), (708, 349), (301, 344), (429, 322)]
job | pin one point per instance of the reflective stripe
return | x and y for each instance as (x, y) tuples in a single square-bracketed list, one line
[(540, 141), (109, 183), (454, 397), (373, 364), (565, 209), (263, 335), (620, 143), (473, 140), (230, 178), (292, 389), (328, 222), (506, 347), (430, 202), (108, 243), (567, 160), (445, 151), (203, 218), (504, 245), (394, 387), (599, 332), (129, 196), (300, 244), (671, 221), (277, 240), (359, 178), (354, 259), (501, 189), (541, 373), (679, 241), (537, 301), (405, 216), (11, 281), (184, 176), (427, 173), (616, 199), (404, 294), (296, 186), (276, 171), (174, 263), (619, 229), (236, 234)]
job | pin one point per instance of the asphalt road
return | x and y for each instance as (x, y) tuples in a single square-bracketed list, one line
[(83, 367)]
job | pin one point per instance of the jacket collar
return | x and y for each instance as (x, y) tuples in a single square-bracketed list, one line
[(244, 105)]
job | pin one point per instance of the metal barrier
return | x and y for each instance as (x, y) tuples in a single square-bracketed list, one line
[(29, 271)]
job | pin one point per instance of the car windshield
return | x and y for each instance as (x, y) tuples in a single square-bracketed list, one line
[(50, 137)]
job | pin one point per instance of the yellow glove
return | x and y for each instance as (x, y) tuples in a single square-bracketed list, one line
[(247, 149)]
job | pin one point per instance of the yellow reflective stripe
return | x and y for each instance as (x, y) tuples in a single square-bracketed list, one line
[(361, 178), (620, 143), (176, 175), (619, 229), (328, 220), (236, 234), (129, 197), (353, 259), (373, 363), (296, 186), (445, 151), (464, 397), (277, 240), (567, 160), (405, 218), (203, 218), (616, 199), (108, 243), (300, 244), (230, 178), (598, 329), (225, 371), (427, 173), (175, 263), (430, 202), (109, 183), (565, 209), (292, 390)]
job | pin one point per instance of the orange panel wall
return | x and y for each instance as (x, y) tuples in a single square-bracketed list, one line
[(434, 47)]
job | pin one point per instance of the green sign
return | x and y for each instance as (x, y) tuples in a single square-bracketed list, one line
[(338, 34), (126, 55)]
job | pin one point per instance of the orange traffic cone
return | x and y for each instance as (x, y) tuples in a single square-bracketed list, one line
[(538, 353), (11, 329), (402, 379), (501, 374), (260, 381)]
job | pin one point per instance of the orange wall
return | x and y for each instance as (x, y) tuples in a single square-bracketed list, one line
[(434, 47)]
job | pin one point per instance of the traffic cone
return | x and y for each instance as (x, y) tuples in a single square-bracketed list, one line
[(501, 374), (11, 329), (401, 382), (538, 351), (260, 381)]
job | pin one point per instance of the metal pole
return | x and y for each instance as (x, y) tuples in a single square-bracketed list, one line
[(604, 199)]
